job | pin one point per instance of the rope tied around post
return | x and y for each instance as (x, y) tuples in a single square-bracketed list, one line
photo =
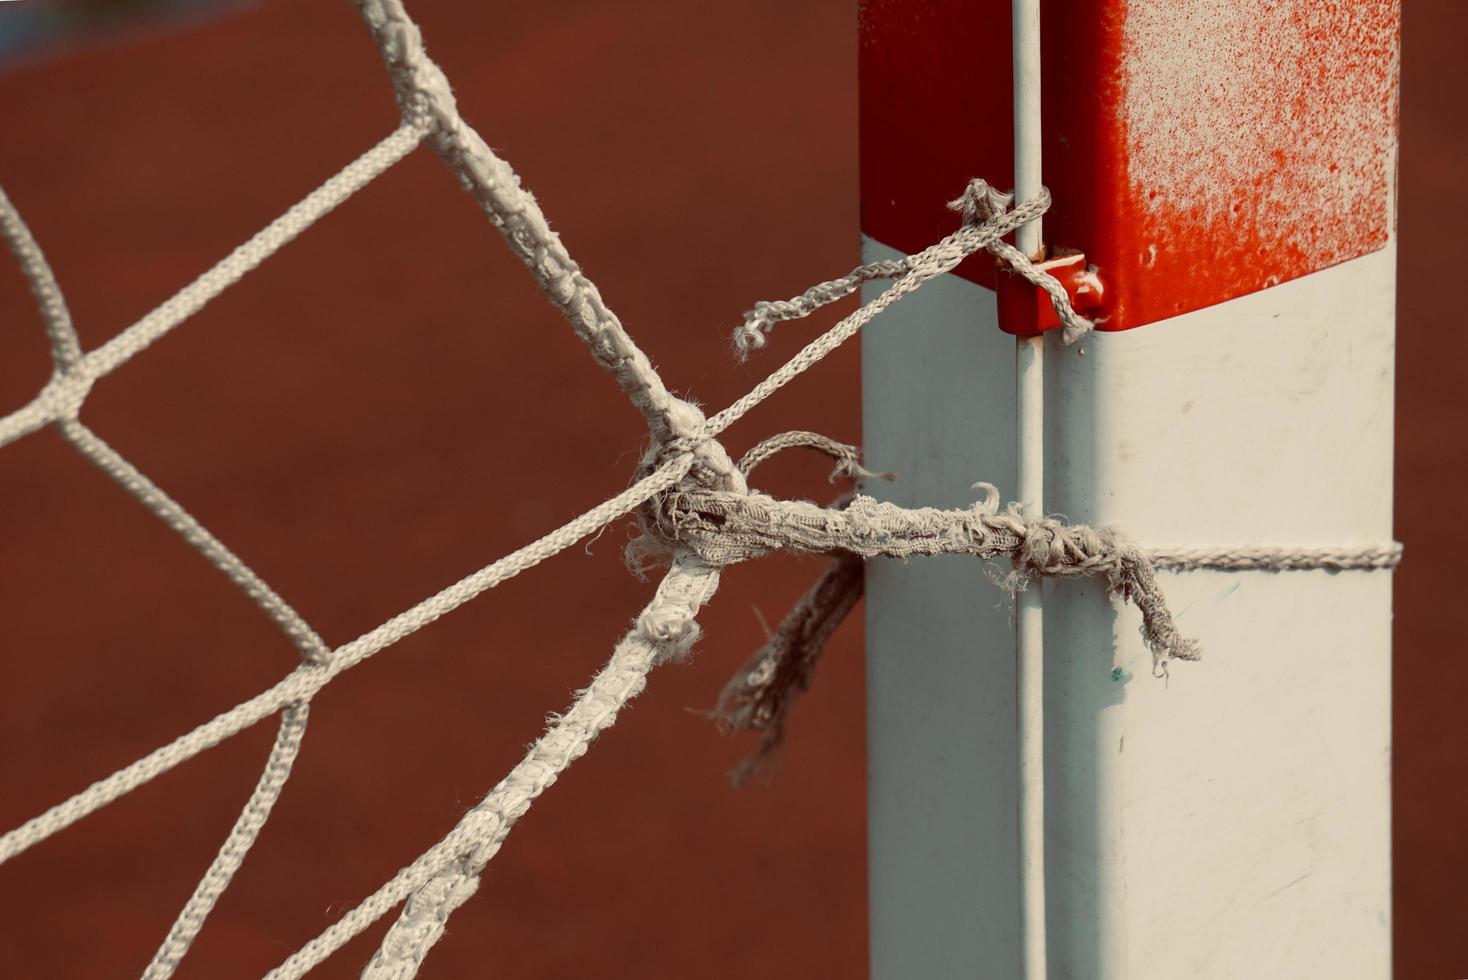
[(982, 208), (722, 528)]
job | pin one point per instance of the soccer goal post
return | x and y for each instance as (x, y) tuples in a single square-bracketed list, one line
[(1223, 175)]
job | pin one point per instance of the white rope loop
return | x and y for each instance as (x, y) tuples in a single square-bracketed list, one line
[(847, 458), (980, 202)]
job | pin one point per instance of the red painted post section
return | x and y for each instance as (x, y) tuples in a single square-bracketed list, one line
[(1186, 179)]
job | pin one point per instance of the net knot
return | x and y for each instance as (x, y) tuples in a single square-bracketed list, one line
[(710, 469), (981, 202), (666, 625), (1052, 547), (422, 89), (987, 214), (64, 394)]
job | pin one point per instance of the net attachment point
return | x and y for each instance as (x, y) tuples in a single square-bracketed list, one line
[(1024, 308)]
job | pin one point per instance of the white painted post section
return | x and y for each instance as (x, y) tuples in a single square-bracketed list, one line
[(1232, 821), (938, 408), (1235, 820)]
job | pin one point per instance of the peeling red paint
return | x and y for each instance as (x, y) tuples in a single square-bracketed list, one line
[(1197, 150)]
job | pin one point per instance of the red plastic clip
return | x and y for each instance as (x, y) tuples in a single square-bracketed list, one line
[(1025, 309)]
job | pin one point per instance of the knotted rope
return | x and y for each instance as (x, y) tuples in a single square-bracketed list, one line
[(696, 508), (980, 206), (723, 528)]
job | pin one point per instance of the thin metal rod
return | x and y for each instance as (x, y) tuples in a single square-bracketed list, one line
[(1030, 609), (1029, 639), (1027, 181)]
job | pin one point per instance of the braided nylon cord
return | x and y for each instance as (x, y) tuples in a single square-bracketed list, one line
[(685, 477)]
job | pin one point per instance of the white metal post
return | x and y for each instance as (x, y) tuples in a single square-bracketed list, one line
[(1230, 821), (938, 404), (1233, 819)]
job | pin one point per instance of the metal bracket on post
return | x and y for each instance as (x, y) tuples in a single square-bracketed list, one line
[(1024, 308)]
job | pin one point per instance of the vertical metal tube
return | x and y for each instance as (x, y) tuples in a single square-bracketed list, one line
[(1030, 668), (1026, 41), (1030, 610)]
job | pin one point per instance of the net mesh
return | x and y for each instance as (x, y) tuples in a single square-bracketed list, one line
[(682, 441), (692, 500)]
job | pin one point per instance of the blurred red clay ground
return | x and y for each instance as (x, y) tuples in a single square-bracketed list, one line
[(389, 404)]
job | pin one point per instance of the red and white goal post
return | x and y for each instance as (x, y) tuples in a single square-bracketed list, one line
[(1228, 169)]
